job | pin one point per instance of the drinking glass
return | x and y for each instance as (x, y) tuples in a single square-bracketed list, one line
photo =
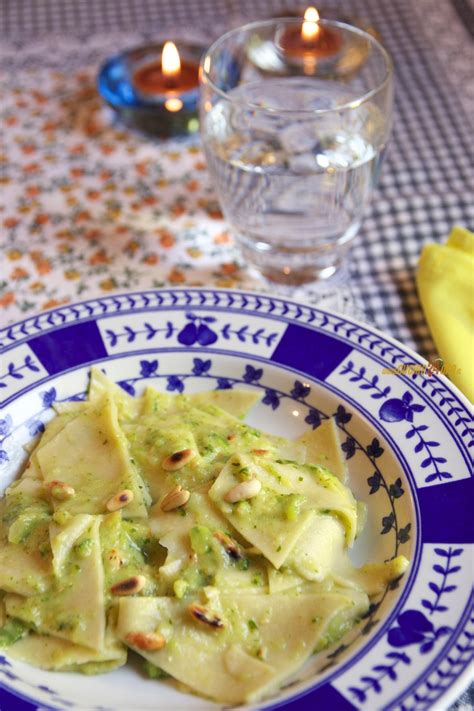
[(294, 139)]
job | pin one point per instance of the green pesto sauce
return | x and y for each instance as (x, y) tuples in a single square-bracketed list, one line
[(12, 631)]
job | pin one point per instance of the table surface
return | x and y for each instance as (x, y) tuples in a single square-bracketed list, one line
[(87, 207)]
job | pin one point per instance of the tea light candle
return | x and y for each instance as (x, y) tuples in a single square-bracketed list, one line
[(311, 40), (155, 88), (170, 80), (320, 47)]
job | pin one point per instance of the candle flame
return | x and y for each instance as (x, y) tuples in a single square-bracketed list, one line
[(173, 105), (170, 62), (310, 28)]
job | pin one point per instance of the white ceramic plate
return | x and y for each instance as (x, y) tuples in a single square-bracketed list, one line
[(406, 439)]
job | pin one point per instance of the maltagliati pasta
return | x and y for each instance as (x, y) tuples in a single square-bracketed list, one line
[(168, 526)]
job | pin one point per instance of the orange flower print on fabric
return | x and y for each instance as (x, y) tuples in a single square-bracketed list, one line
[(151, 259), (132, 246), (37, 286), (178, 210), (176, 276), (82, 216), (222, 238), (41, 218), (28, 148), (32, 190), (167, 240), (7, 298), (10, 222), (19, 273), (215, 213), (229, 268), (107, 149), (31, 168), (42, 265), (78, 149), (92, 234), (142, 168), (150, 200), (99, 257)]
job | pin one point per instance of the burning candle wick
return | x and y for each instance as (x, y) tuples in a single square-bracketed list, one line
[(310, 41), (170, 65), (169, 76), (310, 28)]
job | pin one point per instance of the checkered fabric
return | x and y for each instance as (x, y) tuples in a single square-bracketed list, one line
[(426, 184)]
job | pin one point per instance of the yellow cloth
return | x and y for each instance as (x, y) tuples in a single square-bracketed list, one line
[(445, 281)]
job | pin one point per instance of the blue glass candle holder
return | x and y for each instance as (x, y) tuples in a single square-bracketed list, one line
[(171, 111)]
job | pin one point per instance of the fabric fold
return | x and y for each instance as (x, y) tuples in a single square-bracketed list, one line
[(445, 282)]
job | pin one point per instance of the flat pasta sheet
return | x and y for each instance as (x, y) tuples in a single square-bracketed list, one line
[(167, 525)]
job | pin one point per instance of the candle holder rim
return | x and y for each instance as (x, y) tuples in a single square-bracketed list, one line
[(134, 53), (354, 103)]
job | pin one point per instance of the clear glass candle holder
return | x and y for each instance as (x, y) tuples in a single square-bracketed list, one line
[(294, 132)]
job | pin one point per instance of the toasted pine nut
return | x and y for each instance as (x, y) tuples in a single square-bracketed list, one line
[(118, 501), (61, 491), (231, 437), (150, 641), (244, 490), (200, 614), (177, 460), (129, 586), (229, 545), (260, 452), (175, 498)]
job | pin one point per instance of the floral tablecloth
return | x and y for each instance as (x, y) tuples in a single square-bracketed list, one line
[(89, 207)]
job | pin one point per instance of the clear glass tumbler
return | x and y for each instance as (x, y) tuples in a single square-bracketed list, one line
[(294, 131)]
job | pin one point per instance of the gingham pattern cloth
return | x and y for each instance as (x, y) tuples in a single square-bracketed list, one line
[(426, 184)]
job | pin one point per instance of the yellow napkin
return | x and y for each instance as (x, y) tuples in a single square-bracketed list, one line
[(445, 281)]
